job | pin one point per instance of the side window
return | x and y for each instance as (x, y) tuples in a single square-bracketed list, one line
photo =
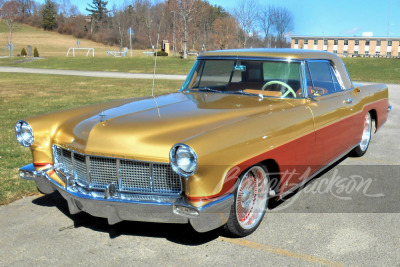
[(322, 78), (335, 80)]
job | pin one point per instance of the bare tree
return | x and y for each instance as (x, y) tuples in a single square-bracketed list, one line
[(224, 30), (118, 20), (187, 12), (146, 15), (9, 12), (66, 7), (265, 18), (25, 7), (245, 14), (283, 23)]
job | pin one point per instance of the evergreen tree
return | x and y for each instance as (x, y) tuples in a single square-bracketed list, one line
[(49, 15), (35, 52), (98, 10)]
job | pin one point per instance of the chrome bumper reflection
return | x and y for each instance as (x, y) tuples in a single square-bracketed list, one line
[(134, 207)]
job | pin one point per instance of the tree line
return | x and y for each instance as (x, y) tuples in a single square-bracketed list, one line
[(187, 24)]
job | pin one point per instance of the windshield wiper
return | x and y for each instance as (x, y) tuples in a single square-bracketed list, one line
[(206, 89)]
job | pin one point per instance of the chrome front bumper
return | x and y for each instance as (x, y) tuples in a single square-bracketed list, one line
[(175, 210)]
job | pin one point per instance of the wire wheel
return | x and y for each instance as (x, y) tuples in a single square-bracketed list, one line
[(366, 136), (252, 197)]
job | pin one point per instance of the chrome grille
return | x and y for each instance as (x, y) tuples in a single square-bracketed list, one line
[(67, 161), (165, 179), (80, 168), (130, 176), (103, 171), (135, 176)]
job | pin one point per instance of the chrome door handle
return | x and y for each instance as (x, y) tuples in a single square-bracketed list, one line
[(348, 101)]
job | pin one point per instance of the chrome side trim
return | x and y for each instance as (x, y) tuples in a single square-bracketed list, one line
[(299, 185)]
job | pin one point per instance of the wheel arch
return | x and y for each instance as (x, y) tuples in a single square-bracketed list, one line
[(374, 117), (274, 174)]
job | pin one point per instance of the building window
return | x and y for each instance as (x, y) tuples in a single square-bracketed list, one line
[(378, 43), (345, 52), (355, 52), (335, 51), (325, 42), (346, 42), (335, 42), (389, 43), (377, 53), (356, 42), (389, 54), (366, 53), (315, 42), (296, 41), (366, 42), (305, 41)]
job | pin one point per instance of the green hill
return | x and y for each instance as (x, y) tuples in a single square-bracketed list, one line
[(48, 43)]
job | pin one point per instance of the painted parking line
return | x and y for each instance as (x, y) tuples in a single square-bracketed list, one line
[(280, 251)]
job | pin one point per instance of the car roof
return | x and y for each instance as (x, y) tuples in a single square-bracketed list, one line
[(274, 53)]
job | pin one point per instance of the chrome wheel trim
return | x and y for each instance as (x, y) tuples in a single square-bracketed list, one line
[(366, 136), (252, 197)]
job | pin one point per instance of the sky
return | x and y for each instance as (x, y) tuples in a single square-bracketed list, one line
[(321, 17)]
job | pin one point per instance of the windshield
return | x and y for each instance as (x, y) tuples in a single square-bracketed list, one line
[(268, 78)]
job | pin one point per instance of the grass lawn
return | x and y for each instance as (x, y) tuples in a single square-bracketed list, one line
[(136, 64), (23, 96), (382, 70)]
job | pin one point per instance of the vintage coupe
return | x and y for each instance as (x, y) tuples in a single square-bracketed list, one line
[(213, 153)]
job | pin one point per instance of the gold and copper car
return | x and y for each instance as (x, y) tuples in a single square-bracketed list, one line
[(213, 153)]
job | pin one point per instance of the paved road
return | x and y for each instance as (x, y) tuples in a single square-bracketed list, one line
[(100, 74), (317, 226)]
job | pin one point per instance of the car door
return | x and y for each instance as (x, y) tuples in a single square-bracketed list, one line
[(334, 114)]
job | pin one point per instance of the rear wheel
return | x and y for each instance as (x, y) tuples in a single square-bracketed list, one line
[(251, 199), (361, 149)]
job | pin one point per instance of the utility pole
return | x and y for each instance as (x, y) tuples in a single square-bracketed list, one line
[(130, 32), (173, 35)]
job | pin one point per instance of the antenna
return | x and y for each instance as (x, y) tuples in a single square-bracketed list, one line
[(155, 61), (155, 65)]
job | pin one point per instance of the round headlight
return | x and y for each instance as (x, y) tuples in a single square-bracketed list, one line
[(183, 160), (24, 133)]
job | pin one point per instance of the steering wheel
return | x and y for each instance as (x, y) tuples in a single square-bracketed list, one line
[(289, 89)]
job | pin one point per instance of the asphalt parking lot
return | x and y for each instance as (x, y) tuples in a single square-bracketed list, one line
[(354, 221)]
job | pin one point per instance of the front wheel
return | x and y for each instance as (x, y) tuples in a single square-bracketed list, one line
[(251, 199), (361, 149)]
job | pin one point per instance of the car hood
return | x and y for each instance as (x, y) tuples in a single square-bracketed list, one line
[(145, 129)]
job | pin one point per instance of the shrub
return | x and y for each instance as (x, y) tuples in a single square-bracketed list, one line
[(161, 54), (23, 52), (35, 52)]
